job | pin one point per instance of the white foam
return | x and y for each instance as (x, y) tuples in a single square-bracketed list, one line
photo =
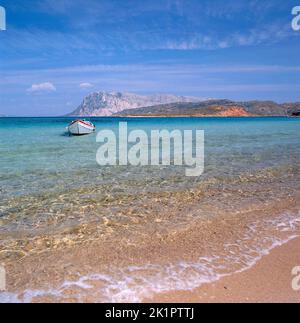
[(134, 283)]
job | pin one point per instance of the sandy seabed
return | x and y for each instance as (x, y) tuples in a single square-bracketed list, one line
[(230, 242)]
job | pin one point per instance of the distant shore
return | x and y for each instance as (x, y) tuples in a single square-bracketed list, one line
[(198, 116), (130, 104), (182, 116), (152, 117)]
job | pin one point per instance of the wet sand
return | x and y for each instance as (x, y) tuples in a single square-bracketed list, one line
[(270, 280), (195, 237), (128, 271)]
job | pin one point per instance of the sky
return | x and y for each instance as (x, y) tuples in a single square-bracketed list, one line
[(54, 53)]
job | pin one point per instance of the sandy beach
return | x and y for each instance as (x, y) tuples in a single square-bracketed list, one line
[(270, 280), (230, 259)]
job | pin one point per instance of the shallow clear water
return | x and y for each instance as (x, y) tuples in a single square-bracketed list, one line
[(54, 196), (42, 167), (41, 149)]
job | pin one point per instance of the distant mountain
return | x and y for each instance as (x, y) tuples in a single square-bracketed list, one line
[(293, 109), (222, 108), (109, 103)]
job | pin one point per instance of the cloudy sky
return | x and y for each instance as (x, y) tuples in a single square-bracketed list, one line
[(53, 53)]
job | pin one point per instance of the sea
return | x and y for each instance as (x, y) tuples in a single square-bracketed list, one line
[(74, 231)]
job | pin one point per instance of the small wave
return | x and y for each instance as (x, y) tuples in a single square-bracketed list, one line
[(135, 283)]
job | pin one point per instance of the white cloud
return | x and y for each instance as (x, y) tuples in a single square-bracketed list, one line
[(42, 87), (85, 85)]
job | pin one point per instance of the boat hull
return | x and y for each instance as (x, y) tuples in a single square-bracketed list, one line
[(80, 128)]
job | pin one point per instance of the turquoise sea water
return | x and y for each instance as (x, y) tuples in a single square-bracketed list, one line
[(38, 159), (54, 195), (40, 147)]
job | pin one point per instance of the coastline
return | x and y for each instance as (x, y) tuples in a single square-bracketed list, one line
[(154, 117), (184, 116), (269, 280), (205, 253)]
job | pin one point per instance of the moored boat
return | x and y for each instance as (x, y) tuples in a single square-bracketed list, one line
[(81, 127)]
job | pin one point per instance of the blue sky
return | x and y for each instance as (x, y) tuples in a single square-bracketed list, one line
[(53, 53)]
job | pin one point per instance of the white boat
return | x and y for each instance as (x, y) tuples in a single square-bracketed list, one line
[(80, 127)]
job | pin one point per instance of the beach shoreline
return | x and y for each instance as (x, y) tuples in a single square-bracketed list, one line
[(198, 255), (269, 280)]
